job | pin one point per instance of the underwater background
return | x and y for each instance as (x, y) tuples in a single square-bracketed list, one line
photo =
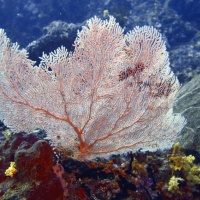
[(44, 173), (55, 22)]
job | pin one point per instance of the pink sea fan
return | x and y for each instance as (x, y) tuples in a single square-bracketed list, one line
[(113, 94)]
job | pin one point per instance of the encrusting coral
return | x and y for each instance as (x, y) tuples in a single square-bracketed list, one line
[(190, 172), (173, 183), (11, 171)]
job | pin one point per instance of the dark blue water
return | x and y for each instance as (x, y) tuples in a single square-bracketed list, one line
[(178, 20)]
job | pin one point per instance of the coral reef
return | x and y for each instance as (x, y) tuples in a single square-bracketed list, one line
[(31, 174), (43, 173)]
